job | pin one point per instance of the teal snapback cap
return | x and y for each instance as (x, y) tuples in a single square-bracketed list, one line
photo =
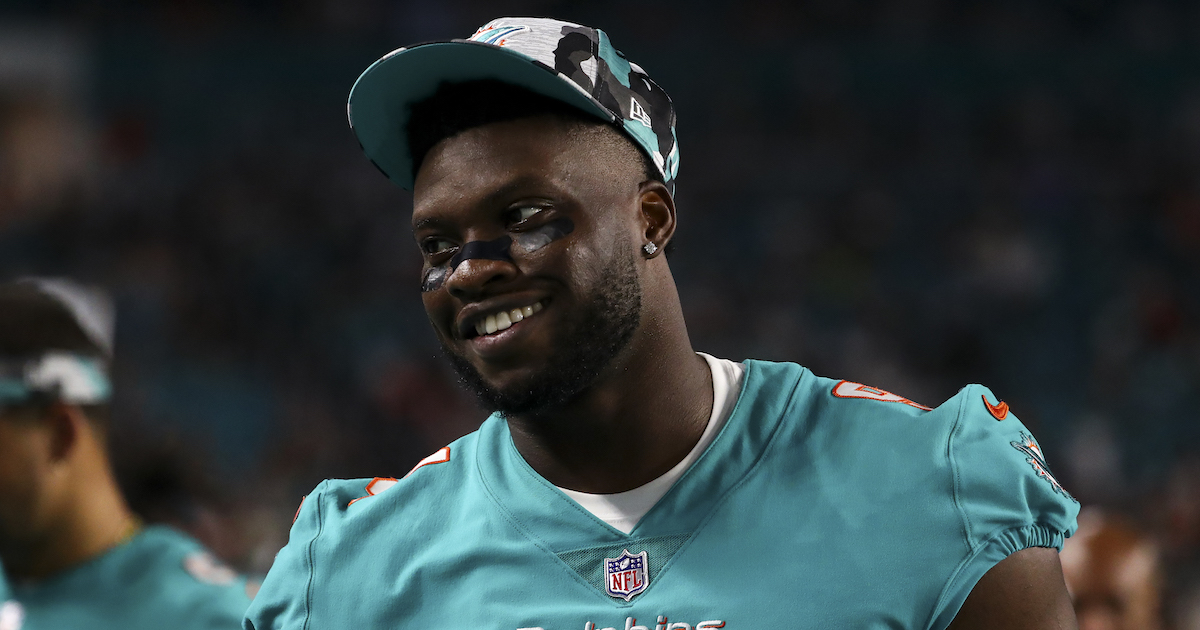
[(574, 64)]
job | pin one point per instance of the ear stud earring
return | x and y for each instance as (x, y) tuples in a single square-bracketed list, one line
[(650, 248)]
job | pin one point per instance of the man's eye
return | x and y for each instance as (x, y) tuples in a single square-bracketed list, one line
[(521, 214), (436, 246)]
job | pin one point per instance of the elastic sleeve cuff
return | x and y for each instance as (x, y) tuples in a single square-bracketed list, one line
[(987, 555)]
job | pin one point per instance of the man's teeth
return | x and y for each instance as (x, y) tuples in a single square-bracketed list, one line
[(504, 319)]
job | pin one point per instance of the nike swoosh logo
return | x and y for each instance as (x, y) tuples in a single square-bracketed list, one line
[(999, 411)]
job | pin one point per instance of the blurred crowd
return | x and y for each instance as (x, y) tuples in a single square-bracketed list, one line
[(913, 194)]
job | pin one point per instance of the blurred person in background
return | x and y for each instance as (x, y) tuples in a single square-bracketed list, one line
[(74, 555), (1114, 575)]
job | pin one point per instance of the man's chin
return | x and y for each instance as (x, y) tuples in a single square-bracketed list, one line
[(516, 391), (585, 345)]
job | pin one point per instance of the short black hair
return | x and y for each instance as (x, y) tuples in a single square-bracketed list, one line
[(459, 106), (32, 322)]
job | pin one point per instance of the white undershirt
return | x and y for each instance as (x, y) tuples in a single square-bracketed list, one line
[(624, 509)]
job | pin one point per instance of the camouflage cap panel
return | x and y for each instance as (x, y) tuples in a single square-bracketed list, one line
[(585, 57)]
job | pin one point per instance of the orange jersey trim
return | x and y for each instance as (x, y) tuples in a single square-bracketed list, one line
[(850, 389), (298, 509), (379, 484), (440, 457), (999, 412), (375, 486)]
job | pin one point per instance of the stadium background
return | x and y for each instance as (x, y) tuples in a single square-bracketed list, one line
[(913, 194)]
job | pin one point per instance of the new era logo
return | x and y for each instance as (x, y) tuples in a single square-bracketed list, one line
[(638, 113)]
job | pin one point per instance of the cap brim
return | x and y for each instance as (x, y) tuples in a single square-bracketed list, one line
[(379, 102)]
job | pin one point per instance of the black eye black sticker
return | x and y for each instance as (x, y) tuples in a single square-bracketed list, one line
[(541, 236), (498, 249), (434, 278)]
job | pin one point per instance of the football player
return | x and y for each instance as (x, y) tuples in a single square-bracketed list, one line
[(625, 480), (74, 554)]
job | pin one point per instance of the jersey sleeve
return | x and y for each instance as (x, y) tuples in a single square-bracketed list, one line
[(284, 598), (1005, 494), (216, 609)]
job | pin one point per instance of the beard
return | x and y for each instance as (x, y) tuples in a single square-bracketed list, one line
[(590, 341)]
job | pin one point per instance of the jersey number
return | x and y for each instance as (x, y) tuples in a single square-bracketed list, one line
[(379, 484), (847, 389)]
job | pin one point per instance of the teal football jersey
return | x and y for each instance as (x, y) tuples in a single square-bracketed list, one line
[(820, 504), (161, 578)]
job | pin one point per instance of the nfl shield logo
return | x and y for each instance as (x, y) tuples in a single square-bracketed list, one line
[(626, 575)]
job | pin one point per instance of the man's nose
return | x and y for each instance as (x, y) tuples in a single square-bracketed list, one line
[(474, 278)]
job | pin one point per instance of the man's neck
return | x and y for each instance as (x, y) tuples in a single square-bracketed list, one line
[(642, 416), (92, 518)]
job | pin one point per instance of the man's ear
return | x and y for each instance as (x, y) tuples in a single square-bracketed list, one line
[(658, 215), (67, 424)]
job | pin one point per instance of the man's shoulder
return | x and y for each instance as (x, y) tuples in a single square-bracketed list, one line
[(194, 582), (866, 439), (951, 434), (970, 457), (853, 415), (845, 405), (348, 532), (159, 577), (945, 490), (446, 475)]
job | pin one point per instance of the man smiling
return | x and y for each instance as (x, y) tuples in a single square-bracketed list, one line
[(624, 480)]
